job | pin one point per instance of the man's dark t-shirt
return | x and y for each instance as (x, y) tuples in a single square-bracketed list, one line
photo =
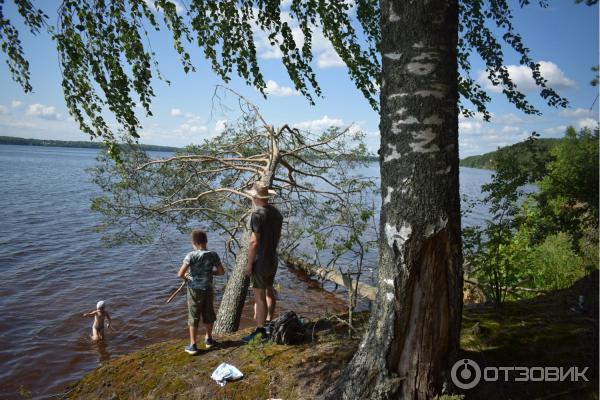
[(267, 222)]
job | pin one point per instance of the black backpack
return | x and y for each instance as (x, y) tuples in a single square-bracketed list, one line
[(286, 329)]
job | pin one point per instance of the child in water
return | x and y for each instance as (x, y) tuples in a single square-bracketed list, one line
[(99, 314)]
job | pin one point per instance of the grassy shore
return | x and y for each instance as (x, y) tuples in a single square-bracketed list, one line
[(543, 331)]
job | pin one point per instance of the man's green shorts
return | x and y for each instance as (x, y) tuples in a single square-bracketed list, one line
[(200, 304), (263, 279)]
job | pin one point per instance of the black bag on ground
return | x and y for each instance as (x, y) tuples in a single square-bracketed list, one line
[(286, 329)]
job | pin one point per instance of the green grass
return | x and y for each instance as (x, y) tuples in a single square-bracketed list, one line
[(542, 331)]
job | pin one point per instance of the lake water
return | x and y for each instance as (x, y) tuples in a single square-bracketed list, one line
[(54, 268)]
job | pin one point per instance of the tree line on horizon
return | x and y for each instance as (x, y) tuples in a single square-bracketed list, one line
[(13, 140), (518, 150), (481, 161)]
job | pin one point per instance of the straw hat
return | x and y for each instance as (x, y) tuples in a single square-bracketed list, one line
[(260, 191)]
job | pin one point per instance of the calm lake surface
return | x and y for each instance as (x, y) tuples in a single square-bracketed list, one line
[(54, 268)]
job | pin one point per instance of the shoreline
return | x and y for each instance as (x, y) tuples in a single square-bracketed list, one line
[(527, 332)]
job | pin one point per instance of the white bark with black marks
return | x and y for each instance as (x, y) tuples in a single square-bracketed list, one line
[(413, 333)]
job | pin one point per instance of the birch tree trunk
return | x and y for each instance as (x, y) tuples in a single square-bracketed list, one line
[(236, 289), (414, 328)]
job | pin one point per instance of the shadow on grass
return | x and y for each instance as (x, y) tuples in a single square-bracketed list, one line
[(545, 331)]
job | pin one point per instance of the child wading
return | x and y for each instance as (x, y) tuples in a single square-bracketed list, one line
[(198, 268), (99, 315)]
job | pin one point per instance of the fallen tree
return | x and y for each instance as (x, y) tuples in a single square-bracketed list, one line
[(343, 279), (369, 292), (204, 185)]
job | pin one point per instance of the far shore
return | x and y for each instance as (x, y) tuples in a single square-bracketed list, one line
[(18, 141), (12, 140)]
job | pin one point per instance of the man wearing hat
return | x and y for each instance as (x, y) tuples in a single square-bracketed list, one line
[(265, 223)]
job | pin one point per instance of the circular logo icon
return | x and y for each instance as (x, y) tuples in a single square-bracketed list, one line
[(465, 374)]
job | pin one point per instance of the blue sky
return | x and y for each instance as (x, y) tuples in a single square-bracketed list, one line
[(562, 37)]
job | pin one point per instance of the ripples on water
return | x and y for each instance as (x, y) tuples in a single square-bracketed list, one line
[(54, 269)]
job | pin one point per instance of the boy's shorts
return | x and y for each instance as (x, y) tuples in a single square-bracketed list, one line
[(200, 303), (262, 279)]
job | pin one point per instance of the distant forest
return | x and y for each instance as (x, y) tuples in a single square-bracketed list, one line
[(486, 161), (89, 145), (66, 143), (483, 161)]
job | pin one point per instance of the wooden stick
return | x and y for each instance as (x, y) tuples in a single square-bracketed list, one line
[(177, 291)]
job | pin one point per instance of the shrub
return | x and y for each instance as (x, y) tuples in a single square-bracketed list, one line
[(554, 264), (588, 248)]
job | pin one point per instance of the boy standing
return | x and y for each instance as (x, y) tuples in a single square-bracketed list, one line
[(198, 268)]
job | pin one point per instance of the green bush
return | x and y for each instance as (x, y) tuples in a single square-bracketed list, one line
[(588, 248), (503, 266), (554, 264), (502, 262), (545, 240)]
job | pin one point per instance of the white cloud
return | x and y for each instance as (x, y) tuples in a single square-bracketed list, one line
[(262, 42), (587, 123), (372, 140), (194, 128), (486, 141), (329, 59), (577, 112), (476, 117), (176, 112), (32, 126), (16, 104), (178, 7), (477, 137), (522, 77), (192, 131), (220, 126), (316, 126), (322, 48), (274, 89), (43, 111), (555, 130), (3, 109), (555, 76), (319, 124), (469, 127), (511, 129), (509, 119), (192, 125)]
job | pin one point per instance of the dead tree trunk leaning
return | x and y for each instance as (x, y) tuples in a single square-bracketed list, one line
[(236, 289), (234, 296), (414, 327)]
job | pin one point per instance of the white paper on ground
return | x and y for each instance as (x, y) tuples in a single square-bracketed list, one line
[(226, 372)]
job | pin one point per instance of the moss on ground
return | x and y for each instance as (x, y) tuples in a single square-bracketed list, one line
[(543, 331)]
